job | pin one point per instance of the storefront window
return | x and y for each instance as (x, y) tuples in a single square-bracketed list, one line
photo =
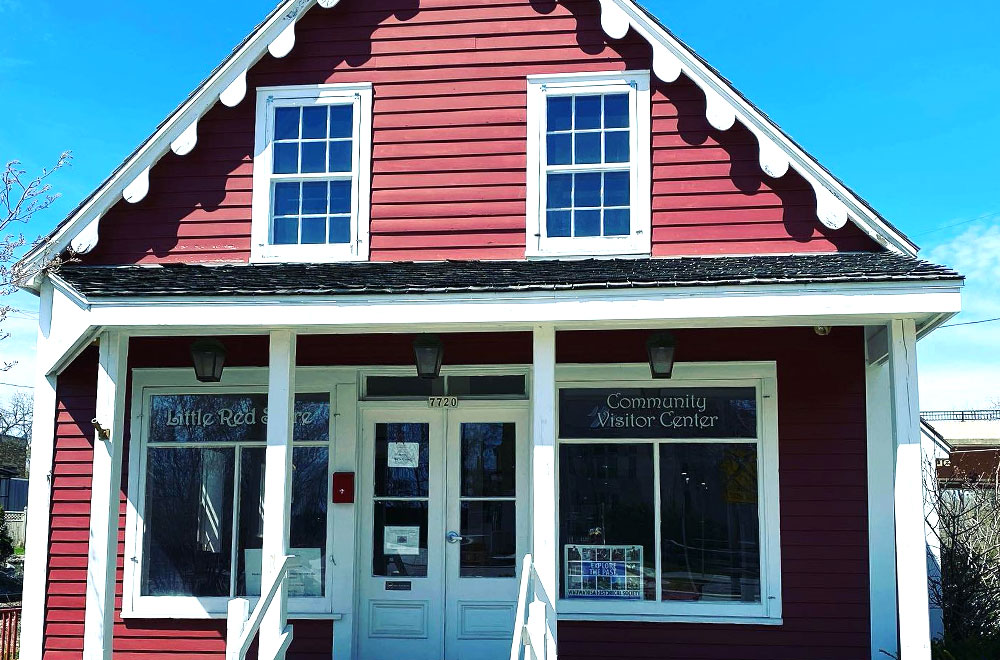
[(659, 498), (205, 488)]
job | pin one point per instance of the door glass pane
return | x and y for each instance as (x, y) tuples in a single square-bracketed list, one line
[(399, 546), (188, 519), (710, 526), (401, 460), (488, 465), (489, 545), (607, 520)]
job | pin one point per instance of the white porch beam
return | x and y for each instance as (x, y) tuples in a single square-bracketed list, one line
[(275, 632), (911, 542), (36, 544), (105, 501), (881, 504), (543, 457)]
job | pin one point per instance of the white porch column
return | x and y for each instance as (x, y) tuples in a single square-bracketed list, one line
[(543, 457), (105, 501), (36, 544), (275, 634), (911, 543), (881, 513)]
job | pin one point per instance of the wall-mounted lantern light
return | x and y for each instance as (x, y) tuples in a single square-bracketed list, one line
[(428, 353), (209, 358), (661, 346)]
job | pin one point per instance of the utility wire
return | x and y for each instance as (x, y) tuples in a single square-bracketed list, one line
[(985, 216), (25, 387), (955, 325)]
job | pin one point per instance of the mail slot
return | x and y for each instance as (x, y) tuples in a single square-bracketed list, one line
[(343, 488)]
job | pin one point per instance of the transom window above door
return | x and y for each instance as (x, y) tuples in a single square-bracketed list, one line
[(312, 174), (589, 139)]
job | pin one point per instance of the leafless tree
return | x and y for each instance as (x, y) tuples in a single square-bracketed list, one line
[(15, 432), (963, 513), (21, 198)]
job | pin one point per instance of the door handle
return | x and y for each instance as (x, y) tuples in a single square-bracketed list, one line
[(454, 537)]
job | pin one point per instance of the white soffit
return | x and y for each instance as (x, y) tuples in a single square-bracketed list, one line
[(228, 84)]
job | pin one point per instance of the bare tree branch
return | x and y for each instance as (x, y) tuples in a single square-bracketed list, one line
[(21, 199)]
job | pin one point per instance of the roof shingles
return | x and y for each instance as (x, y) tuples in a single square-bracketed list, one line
[(497, 276)]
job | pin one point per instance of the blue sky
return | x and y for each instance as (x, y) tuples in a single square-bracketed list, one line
[(900, 99)]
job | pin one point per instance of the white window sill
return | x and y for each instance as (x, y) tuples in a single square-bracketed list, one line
[(591, 610), (194, 610)]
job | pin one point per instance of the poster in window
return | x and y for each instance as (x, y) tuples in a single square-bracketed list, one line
[(404, 455), (401, 540), (612, 572), (305, 572)]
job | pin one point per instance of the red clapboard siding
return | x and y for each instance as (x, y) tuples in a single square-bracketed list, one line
[(823, 495), (823, 490), (449, 143)]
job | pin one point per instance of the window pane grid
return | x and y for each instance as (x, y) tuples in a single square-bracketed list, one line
[(312, 175), (588, 169)]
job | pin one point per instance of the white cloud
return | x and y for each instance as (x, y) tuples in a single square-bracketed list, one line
[(960, 366)]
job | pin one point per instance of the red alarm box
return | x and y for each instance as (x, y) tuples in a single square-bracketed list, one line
[(343, 488)]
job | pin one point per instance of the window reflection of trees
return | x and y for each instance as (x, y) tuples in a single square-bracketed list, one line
[(189, 492)]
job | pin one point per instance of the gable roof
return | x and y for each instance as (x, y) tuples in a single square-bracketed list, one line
[(836, 204)]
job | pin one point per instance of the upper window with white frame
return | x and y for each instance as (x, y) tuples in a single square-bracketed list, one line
[(589, 137), (312, 174)]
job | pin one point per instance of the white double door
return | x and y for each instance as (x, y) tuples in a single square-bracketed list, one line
[(444, 513)]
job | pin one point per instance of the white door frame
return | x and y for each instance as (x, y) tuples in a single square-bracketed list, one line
[(374, 410)]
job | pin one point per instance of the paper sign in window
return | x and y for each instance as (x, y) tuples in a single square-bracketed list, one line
[(404, 455), (402, 540), (305, 572)]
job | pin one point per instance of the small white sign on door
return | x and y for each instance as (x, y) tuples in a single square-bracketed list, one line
[(404, 455), (402, 540)]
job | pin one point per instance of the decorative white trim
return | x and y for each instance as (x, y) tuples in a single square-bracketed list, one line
[(105, 498), (228, 80), (36, 546), (835, 203), (187, 140), (762, 376), (360, 96), (670, 59), (636, 85), (136, 191)]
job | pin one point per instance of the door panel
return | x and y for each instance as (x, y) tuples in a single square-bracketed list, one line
[(444, 524), (402, 560), (487, 506)]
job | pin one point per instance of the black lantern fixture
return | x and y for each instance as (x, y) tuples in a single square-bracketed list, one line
[(661, 347), (428, 353), (209, 358)]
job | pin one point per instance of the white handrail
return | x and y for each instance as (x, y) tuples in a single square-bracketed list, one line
[(242, 629), (534, 622), (517, 643)]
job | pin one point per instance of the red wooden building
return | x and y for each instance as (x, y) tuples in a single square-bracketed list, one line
[(476, 328)]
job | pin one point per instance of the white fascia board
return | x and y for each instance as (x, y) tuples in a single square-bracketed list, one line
[(775, 305), (613, 19), (178, 132)]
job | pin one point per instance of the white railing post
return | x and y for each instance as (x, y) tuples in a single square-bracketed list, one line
[(236, 620), (102, 562), (911, 542), (274, 631)]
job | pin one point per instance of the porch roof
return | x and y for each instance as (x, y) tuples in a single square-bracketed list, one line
[(499, 276)]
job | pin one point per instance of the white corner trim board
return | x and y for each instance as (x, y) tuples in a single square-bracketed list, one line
[(724, 107)]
